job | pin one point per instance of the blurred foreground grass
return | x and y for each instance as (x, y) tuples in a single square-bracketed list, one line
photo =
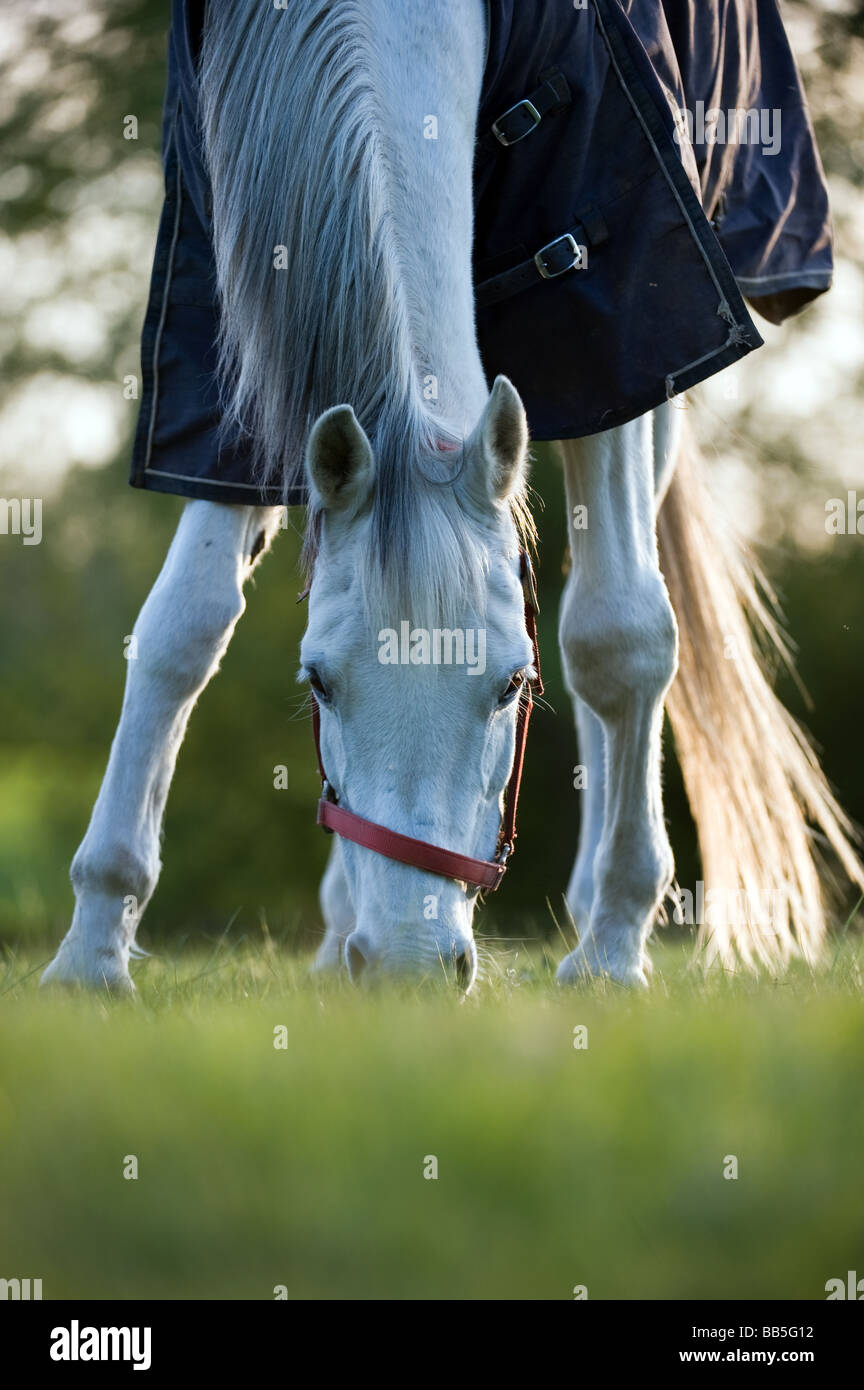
[(557, 1167)]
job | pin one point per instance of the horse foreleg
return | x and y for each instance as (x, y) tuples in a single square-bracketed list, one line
[(619, 646), (589, 779), (181, 634)]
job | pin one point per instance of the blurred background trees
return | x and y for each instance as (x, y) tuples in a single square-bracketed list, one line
[(783, 431)]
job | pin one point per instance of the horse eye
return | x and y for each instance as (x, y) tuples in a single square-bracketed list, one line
[(515, 684), (318, 687)]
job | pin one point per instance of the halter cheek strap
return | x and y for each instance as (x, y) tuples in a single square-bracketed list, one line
[(482, 873)]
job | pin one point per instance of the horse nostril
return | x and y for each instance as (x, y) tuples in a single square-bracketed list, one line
[(465, 967), (357, 956)]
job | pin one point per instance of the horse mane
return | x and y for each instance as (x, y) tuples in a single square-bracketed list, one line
[(297, 158)]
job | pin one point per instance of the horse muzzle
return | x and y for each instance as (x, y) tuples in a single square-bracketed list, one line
[(451, 961)]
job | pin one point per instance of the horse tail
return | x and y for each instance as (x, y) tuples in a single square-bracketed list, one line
[(764, 812)]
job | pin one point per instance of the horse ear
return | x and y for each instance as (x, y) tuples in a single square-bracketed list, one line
[(339, 461), (498, 447)]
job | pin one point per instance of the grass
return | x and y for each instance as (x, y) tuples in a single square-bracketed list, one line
[(303, 1166)]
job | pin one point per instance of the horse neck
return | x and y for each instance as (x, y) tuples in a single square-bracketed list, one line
[(315, 124)]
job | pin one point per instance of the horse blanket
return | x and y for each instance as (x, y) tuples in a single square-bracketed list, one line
[(642, 166)]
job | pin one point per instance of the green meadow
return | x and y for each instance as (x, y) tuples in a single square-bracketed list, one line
[(302, 1167)]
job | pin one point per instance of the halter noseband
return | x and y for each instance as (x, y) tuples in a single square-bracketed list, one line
[(483, 873)]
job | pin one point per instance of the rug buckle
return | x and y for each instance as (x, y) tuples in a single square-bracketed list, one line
[(526, 110), (549, 267)]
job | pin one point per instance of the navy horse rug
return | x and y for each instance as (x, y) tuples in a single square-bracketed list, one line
[(642, 168)]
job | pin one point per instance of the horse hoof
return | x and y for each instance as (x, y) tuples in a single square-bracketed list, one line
[(103, 970), (586, 964)]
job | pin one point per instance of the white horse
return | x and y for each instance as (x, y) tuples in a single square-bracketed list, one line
[(313, 133)]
